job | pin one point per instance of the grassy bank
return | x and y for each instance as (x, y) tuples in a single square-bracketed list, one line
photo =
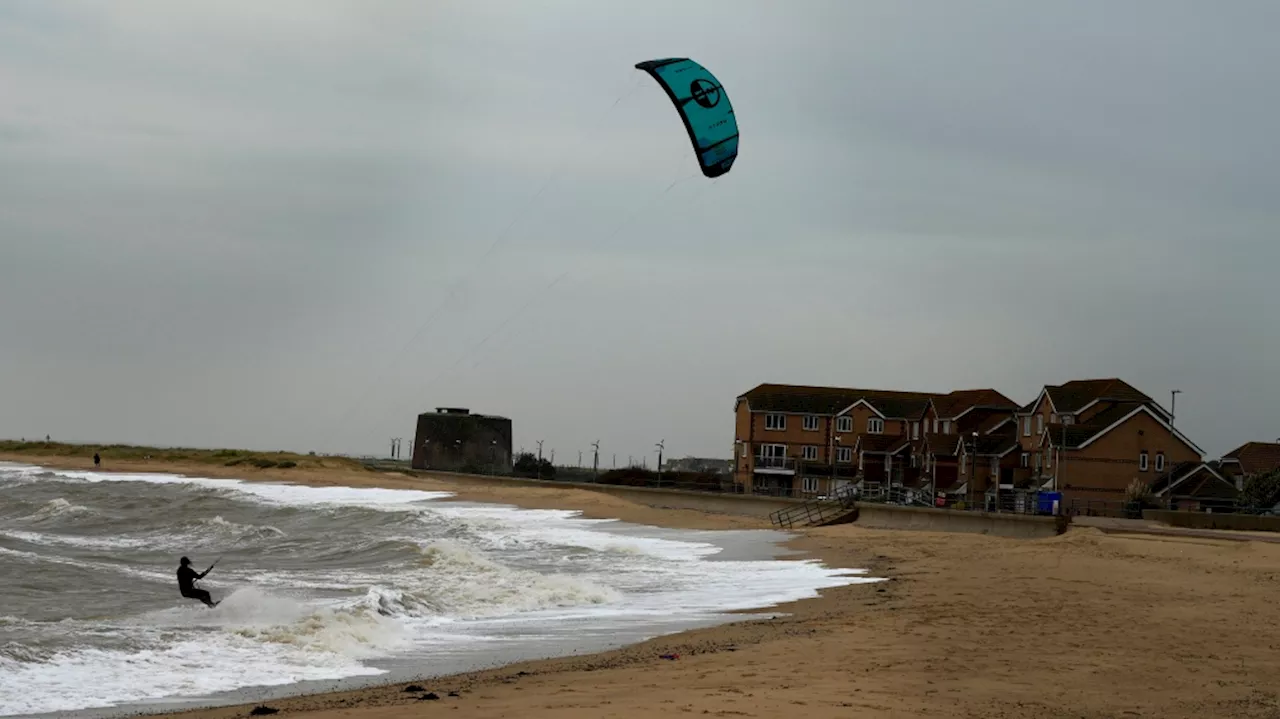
[(210, 457)]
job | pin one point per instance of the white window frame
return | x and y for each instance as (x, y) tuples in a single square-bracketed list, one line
[(765, 454), (1026, 426), (935, 425), (1039, 424), (946, 426), (775, 422), (915, 430), (844, 423), (810, 485), (1143, 461), (811, 423), (744, 450), (1159, 461), (844, 455), (1026, 460), (809, 453), (875, 425), (1048, 457)]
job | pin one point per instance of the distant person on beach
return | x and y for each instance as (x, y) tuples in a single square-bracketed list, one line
[(187, 578), (97, 461)]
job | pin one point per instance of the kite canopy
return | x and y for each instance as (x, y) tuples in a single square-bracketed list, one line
[(704, 107)]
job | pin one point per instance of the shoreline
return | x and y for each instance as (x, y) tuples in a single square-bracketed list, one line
[(376, 692), (1084, 624)]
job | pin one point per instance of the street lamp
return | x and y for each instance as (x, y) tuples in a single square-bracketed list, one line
[(660, 445)]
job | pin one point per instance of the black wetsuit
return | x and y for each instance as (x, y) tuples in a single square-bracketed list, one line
[(186, 584)]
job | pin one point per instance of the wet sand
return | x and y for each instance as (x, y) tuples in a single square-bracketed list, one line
[(1081, 625)]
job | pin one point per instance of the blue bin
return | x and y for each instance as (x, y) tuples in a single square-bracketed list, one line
[(1048, 502)]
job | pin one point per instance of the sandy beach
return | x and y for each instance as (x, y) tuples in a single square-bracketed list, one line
[(1081, 625)]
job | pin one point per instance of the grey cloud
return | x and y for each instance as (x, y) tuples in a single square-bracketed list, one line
[(224, 225)]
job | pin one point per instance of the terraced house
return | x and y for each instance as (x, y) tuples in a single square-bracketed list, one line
[(810, 440), (1091, 438), (1088, 439)]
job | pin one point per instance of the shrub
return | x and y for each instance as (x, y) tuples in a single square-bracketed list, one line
[(287, 464), (261, 463)]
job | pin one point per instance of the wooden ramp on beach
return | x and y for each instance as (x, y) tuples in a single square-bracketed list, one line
[(839, 508)]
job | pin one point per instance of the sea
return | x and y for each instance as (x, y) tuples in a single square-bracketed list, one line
[(327, 588)]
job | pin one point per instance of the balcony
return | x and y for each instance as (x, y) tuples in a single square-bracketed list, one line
[(775, 465), (825, 469)]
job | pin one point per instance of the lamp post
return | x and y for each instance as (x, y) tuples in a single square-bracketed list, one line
[(595, 460), (660, 445), (539, 459)]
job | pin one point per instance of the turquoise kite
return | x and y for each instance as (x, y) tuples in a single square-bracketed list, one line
[(704, 107)]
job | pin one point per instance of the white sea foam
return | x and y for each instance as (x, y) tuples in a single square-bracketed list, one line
[(479, 574)]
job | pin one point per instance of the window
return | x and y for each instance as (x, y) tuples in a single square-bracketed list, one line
[(1068, 419), (1048, 457), (888, 464), (844, 454), (1026, 459), (875, 425), (844, 424), (915, 460), (1039, 424), (773, 450), (810, 423), (1053, 417), (946, 426), (1026, 426), (935, 425), (1142, 461), (744, 449), (915, 430), (810, 485), (1037, 462), (809, 453), (775, 422), (1160, 461), (964, 462)]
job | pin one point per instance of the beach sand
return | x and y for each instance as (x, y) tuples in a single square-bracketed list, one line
[(1080, 625)]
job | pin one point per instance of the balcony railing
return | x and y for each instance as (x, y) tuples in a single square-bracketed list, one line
[(775, 464), (826, 469)]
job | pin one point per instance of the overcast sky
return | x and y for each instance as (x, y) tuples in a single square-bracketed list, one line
[(238, 223)]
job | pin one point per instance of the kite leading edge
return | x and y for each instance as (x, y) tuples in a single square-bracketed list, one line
[(705, 108)]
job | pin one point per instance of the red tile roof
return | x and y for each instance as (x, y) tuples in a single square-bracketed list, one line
[(956, 403), (799, 399), (1256, 457), (1074, 395)]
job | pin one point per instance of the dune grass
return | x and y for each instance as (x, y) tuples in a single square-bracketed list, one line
[(126, 452)]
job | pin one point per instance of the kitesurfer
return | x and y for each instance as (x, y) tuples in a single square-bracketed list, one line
[(187, 578)]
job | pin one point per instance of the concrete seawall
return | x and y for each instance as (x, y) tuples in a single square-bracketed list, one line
[(924, 519), (877, 516), (1209, 520)]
